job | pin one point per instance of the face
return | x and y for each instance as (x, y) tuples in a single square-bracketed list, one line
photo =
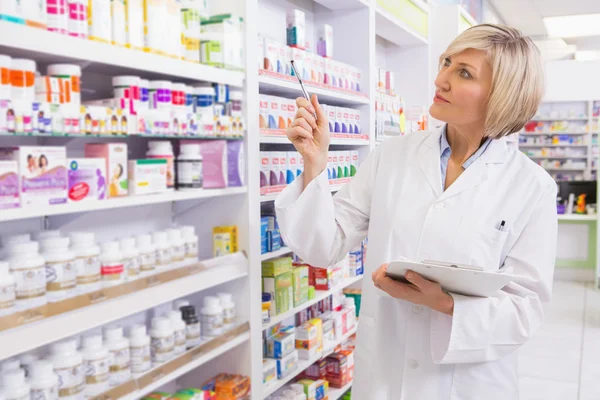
[(462, 89)]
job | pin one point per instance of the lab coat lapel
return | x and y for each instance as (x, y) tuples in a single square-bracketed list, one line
[(429, 160)]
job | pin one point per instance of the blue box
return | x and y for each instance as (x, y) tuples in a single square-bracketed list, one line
[(264, 225)]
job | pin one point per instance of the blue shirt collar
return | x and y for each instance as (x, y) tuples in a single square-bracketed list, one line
[(445, 149)]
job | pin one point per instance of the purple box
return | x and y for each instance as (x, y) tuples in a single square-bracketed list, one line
[(9, 185), (235, 163), (214, 163)]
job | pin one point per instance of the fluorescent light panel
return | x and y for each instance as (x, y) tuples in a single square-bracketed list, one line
[(571, 26)]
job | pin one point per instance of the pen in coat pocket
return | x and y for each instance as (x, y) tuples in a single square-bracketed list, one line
[(501, 226)]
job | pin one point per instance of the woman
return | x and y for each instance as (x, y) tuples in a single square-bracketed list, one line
[(43, 164), (441, 196)]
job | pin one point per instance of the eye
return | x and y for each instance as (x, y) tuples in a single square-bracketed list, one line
[(447, 62), (465, 74)]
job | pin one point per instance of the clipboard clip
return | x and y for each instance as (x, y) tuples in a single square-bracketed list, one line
[(452, 265)]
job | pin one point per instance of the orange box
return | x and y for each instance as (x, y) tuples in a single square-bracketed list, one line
[(231, 387), (337, 370)]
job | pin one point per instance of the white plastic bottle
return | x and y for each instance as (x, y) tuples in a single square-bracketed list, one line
[(162, 340), (41, 235), (191, 243), (67, 362), (139, 348), (193, 335), (189, 167), (178, 332), (131, 257), (163, 249), (9, 240), (96, 363), (228, 306), (14, 386), (164, 149), (112, 268), (10, 364), (87, 261), (7, 290), (118, 346), (43, 381), (61, 272), (29, 270), (147, 254), (211, 317), (177, 245), (27, 360), (351, 319)]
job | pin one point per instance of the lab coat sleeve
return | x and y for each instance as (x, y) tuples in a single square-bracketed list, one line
[(322, 229), (487, 329)]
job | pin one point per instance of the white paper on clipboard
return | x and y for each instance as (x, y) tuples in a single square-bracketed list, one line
[(464, 281)]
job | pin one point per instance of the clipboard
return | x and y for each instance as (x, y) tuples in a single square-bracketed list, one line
[(465, 280)]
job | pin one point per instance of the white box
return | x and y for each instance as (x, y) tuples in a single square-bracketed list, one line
[(291, 166), (273, 51), (261, 52), (87, 179), (357, 129), (147, 176), (346, 125), (263, 111), (299, 57), (339, 119), (325, 43), (291, 112), (265, 169), (330, 112), (296, 28)]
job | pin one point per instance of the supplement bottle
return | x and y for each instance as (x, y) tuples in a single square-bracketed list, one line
[(41, 235), (163, 249), (178, 331), (111, 261), (177, 304), (29, 270), (177, 245), (22, 79), (139, 348), (7, 290), (147, 253), (160, 95), (87, 261), (70, 77), (189, 167), (163, 149), (127, 87), (228, 306), (43, 381), (61, 272), (211, 317), (96, 363), (67, 362), (351, 318), (10, 364), (205, 100), (162, 340), (9, 240), (14, 386), (118, 346), (27, 361), (192, 326), (131, 258), (191, 242)]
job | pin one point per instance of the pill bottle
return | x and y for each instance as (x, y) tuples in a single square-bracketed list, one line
[(144, 95), (163, 249), (204, 105), (191, 242), (147, 253), (228, 306), (111, 261), (47, 234), (70, 76), (162, 340), (10, 364), (178, 96), (118, 346), (22, 79), (236, 96), (13, 239), (87, 261), (27, 361), (78, 18), (160, 95), (61, 271), (164, 149), (351, 318), (189, 99), (67, 362), (178, 331), (99, 22), (5, 65), (177, 245), (211, 316), (96, 363), (14, 386), (29, 270), (189, 167), (131, 257), (43, 381), (7, 290), (127, 87), (192, 326), (177, 304), (57, 16), (139, 349)]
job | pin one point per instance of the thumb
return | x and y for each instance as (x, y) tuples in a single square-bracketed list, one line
[(321, 117)]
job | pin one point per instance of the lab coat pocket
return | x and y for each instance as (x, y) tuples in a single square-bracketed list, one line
[(480, 244)]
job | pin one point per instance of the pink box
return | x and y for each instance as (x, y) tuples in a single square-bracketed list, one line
[(115, 155), (9, 185), (214, 163)]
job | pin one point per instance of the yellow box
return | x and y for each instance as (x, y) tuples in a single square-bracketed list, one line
[(225, 240)]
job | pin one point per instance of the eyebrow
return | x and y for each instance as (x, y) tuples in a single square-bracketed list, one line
[(467, 65)]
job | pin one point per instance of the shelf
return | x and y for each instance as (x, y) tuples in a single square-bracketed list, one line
[(288, 86), (553, 145), (121, 202), (270, 193), (115, 137), (48, 47), (396, 31), (541, 119), (577, 217), (564, 169), (319, 295), (277, 136), (553, 133), (274, 386), (343, 4), (274, 254), (103, 309), (336, 394), (557, 157)]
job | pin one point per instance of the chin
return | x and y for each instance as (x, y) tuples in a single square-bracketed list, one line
[(436, 112)]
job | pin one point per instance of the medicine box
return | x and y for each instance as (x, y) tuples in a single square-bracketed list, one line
[(147, 176), (276, 266), (323, 278), (261, 52), (225, 240), (43, 173), (280, 288), (299, 57), (296, 28), (87, 179), (273, 51), (325, 43), (276, 119), (330, 112), (263, 112), (9, 185), (263, 234), (276, 173), (315, 390), (280, 345), (235, 163), (232, 386), (214, 163), (300, 285), (269, 370), (115, 157), (287, 365), (337, 370), (265, 169), (317, 370)]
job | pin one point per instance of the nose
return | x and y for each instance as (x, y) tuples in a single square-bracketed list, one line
[(441, 81)]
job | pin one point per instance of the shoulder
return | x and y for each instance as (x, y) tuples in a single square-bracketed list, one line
[(530, 174), (407, 143)]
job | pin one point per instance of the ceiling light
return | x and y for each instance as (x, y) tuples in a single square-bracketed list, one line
[(571, 26)]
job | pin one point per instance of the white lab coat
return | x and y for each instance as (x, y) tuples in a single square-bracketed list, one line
[(405, 351)]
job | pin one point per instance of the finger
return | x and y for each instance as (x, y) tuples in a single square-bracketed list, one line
[(301, 122), (417, 280), (401, 290), (379, 273), (302, 102), (317, 107), (304, 113), (298, 132)]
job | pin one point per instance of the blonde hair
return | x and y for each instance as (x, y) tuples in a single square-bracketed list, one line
[(517, 75)]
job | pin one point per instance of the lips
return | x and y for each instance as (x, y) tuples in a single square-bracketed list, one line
[(439, 99)]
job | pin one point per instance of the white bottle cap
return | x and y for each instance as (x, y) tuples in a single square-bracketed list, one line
[(174, 235), (29, 248), (180, 87), (225, 298), (55, 243), (162, 324), (174, 316), (113, 333), (159, 237), (46, 234), (11, 364), (128, 244), (14, 239), (110, 247), (211, 301), (66, 346), (144, 83), (41, 370), (144, 240), (81, 238), (137, 331), (188, 231), (13, 379), (125, 81), (21, 64), (28, 358), (64, 69), (92, 341), (160, 85), (177, 304), (204, 90)]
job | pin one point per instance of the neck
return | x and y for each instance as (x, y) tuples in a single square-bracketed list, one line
[(464, 141)]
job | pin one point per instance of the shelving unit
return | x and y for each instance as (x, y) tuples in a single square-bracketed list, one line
[(335, 394), (274, 254)]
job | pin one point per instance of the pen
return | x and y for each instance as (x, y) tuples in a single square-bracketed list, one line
[(304, 92), (501, 226)]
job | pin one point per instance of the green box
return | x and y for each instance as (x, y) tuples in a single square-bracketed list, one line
[(300, 284), (281, 288), (276, 266)]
